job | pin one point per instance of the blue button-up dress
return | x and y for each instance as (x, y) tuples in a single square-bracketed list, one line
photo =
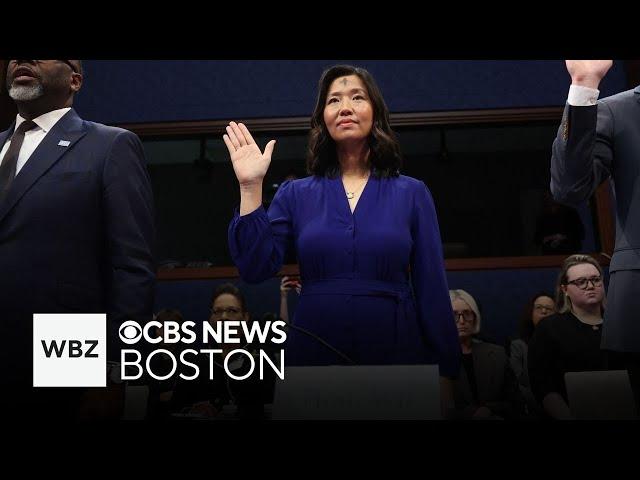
[(373, 281)]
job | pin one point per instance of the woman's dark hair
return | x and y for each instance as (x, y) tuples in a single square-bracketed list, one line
[(169, 315), (231, 289), (384, 156), (526, 323)]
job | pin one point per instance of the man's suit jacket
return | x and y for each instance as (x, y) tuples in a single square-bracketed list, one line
[(76, 233), (593, 144)]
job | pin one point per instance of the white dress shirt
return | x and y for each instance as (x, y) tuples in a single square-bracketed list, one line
[(32, 138), (580, 96)]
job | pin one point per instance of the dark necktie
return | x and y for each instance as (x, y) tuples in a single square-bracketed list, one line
[(8, 165)]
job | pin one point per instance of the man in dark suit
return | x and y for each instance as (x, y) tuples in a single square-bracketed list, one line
[(76, 222), (600, 140)]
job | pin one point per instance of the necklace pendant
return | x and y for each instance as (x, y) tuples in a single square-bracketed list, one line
[(350, 195)]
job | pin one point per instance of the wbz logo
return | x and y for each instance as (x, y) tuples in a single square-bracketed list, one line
[(69, 350), (74, 349)]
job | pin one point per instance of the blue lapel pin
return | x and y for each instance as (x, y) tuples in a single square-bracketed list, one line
[(64, 143)]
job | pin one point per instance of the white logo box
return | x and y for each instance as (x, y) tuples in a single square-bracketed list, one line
[(64, 370)]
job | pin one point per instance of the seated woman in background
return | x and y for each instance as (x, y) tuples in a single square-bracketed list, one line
[(206, 397), (486, 386), (541, 305), (568, 341)]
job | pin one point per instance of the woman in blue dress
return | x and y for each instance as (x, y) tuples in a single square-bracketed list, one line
[(366, 237)]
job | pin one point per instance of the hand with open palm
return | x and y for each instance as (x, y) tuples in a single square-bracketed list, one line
[(249, 164)]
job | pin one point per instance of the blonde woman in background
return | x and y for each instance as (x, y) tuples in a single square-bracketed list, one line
[(486, 386), (568, 341)]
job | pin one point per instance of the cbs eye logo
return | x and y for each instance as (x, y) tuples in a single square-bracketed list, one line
[(130, 332)]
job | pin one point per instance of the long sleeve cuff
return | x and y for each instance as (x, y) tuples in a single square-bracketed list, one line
[(258, 212), (580, 96), (245, 227)]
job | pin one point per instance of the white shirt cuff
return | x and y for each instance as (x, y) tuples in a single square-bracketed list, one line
[(580, 96)]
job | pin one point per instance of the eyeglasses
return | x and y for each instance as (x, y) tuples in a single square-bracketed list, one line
[(68, 62), (583, 282), (467, 315), (218, 312), (543, 308)]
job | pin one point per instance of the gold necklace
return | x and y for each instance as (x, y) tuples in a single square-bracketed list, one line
[(351, 195)]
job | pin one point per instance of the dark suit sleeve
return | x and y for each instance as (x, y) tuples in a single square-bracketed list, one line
[(129, 235), (582, 152)]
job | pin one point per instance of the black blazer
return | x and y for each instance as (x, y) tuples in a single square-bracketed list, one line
[(76, 234), (496, 382)]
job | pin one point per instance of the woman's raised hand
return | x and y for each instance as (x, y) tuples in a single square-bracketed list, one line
[(249, 163)]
